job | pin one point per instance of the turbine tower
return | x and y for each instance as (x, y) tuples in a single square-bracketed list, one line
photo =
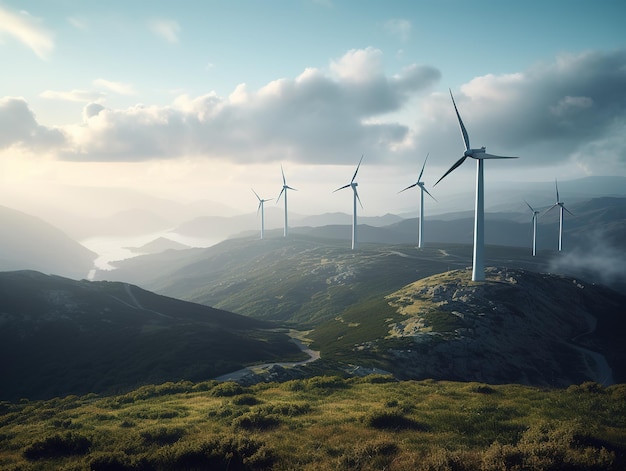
[(562, 208), (262, 209), (534, 223), (284, 190), (422, 190), (478, 264), (353, 184)]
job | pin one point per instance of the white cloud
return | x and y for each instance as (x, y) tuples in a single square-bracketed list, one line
[(83, 96), (328, 117), (117, 87), (165, 29), (27, 30), (19, 128)]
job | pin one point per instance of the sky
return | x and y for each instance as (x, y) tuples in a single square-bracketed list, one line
[(204, 100)]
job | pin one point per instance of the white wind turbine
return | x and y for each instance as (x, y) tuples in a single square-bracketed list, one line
[(478, 264), (284, 190), (534, 223), (262, 209), (354, 184), (422, 190), (562, 208)]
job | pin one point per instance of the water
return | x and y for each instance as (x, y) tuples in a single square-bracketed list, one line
[(114, 248)]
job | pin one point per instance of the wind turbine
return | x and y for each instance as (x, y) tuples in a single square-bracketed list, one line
[(478, 264), (353, 184), (534, 223), (262, 209), (562, 208), (284, 190), (422, 190)]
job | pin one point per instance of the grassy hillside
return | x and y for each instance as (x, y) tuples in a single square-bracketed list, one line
[(517, 327), (300, 280), (322, 423), (59, 336)]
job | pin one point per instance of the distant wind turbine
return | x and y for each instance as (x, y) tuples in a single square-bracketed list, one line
[(284, 190), (534, 223), (262, 209), (422, 190), (353, 184), (562, 208), (478, 264)]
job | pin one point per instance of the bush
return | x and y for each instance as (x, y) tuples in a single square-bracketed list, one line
[(232, 453), (373, 454), (162, 436), (392, 420), (227, 389), (58, 445), (256, 421), (245, 400)]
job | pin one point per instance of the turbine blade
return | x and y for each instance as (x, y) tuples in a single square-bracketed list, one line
[(258, 197), (281, 194), (529, 206), (458, 162), (428, 193), (557, 190), (357, 168), (463, 130), (289, 188), (356, 193), (410, 186), (259, 208), (420, 177), (567, 210), (549, 209), (341, 188), (283, 172)]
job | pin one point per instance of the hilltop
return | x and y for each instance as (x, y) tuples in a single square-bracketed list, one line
[(60, 336), (516, 327)]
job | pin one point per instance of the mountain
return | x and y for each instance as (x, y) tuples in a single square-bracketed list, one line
[(59, 336), (158, 245), (27, 242), (517, 327), (301, 280)]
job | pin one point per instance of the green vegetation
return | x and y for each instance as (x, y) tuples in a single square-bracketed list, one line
[(321, 423)]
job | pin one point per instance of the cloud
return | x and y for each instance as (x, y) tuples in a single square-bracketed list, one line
[(117, 87), (569, 111), (19, 128), (82, 96), (27, 30), (399, 28), (165, 29), (77, 23), (552, 113), (316, 117)]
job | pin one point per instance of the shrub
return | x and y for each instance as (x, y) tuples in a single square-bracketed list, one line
[(58, 445), (229, 388), (376, 454), (245, 400), (392, 420), (162, 435), (256, 421), (232, 453)]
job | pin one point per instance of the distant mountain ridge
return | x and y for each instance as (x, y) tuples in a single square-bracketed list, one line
[(59, 336), (27, 242)]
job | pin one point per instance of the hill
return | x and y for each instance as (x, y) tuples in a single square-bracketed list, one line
[(517, 327), (300, 280), (321, 424), (27, 242), (59, 336)]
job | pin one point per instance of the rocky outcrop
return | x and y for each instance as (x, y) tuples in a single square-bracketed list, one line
[(516, 327)]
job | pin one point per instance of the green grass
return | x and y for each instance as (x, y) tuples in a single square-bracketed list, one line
[(321, 423)]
